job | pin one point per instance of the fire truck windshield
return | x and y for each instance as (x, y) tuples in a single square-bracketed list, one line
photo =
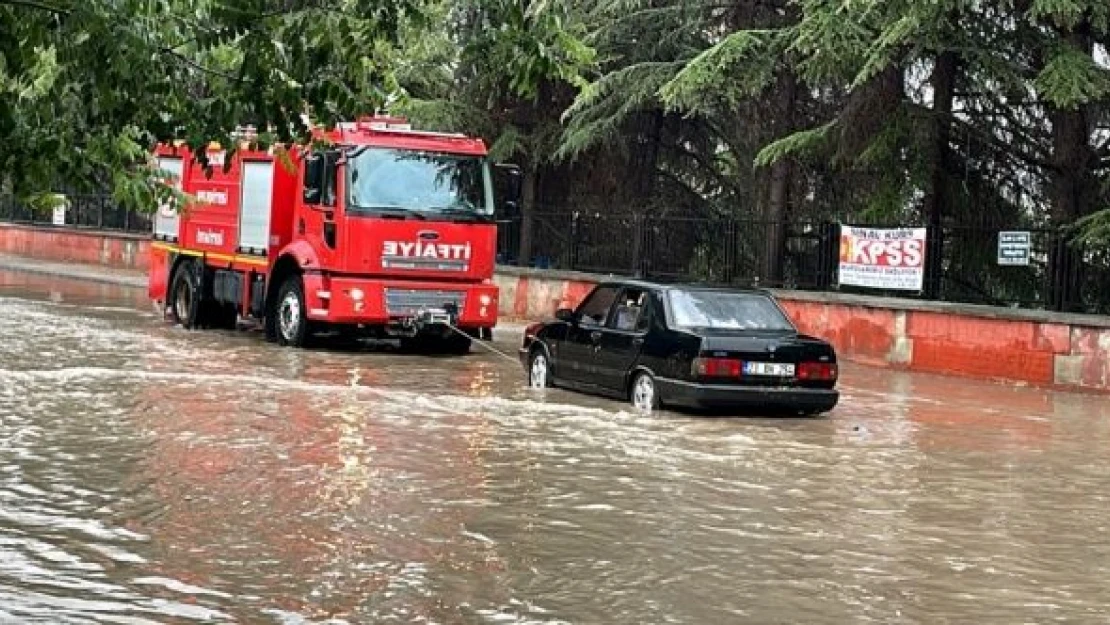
[(418, 183)]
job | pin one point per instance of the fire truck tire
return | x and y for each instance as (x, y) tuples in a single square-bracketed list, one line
[(184, 296), (290, 317)]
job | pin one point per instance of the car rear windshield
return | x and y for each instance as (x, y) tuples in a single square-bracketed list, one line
[(726, 311)]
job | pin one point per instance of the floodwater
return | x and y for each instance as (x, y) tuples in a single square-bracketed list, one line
[(148, 474)]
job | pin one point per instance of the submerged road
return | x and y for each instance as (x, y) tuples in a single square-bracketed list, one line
[(149, 474)]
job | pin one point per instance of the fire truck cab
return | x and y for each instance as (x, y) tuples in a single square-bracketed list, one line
[(378, 229)]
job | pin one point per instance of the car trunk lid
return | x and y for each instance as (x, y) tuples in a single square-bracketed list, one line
[(764, 359)]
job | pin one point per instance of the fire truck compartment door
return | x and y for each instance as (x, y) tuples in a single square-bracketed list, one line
[(254, 211), (166, 222)]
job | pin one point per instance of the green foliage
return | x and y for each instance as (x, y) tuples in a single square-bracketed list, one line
[(1071, 78), (604, 106), (1070, 14), (495, 71), (831, 39), (799, 144), (87, 87), (1092, 230), (741, 66)]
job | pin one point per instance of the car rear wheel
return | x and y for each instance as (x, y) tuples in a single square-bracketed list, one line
[(539, 370), (644, 394)]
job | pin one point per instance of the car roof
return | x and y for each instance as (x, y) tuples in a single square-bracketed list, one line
[(680, 286)]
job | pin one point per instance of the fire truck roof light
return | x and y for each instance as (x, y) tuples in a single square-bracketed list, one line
[(395, 125), (389, 126)]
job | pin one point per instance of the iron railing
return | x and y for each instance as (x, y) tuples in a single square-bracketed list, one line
[(961, 263), (86, 211)]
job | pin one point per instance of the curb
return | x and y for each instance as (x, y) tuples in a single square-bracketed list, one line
[(72, 273)]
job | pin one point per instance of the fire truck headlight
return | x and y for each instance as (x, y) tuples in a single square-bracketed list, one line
[(357, 294)]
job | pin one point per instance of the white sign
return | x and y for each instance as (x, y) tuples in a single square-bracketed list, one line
[(213, 197), (882, 258), (60, 215), (210, 237), (1014, 248)]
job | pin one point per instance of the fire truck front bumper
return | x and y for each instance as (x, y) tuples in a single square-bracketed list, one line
[(343, 300)]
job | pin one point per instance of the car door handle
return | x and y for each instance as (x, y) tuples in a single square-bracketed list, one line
[(639, 340), (595, 335)]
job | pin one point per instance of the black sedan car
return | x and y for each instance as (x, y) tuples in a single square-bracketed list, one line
[(662, 345)]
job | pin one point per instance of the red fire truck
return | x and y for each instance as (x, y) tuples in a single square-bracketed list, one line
[(378, 229)]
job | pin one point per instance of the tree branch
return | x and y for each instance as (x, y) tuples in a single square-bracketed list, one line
[(706, 167), (193, 64), (31, 4), (1004, 148)]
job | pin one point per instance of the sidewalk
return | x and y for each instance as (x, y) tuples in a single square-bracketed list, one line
[(75, 271)]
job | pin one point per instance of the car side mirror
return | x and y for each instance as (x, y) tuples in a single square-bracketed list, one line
[(565, 314)]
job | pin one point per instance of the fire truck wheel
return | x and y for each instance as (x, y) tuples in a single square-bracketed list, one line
[(290, 315), (184, 293)]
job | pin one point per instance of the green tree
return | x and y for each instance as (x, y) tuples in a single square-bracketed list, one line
[(86, 87), (504, 70)]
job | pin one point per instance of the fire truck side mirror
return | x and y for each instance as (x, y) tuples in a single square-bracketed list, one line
[(330, 177), (313, 178), (513, 187)]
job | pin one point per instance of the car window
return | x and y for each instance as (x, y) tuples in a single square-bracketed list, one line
[(595, 309), (631, 311), (726, 310), (644, 323)]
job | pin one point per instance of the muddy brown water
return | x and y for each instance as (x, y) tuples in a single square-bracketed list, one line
[(148, 474)]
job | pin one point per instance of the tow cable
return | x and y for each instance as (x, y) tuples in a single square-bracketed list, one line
[(479, 342), (451, 314)]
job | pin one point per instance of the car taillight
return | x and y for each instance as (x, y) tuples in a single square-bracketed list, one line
[(717, 367), (823, 371)]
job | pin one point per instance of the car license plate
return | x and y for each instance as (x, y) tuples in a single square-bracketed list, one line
[(773, 369)]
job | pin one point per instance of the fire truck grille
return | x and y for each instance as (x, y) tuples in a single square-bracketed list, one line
[(396, 262), (407, 302)]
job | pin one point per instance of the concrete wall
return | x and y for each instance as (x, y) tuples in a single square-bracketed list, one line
[(115, 250), (1033, 347)]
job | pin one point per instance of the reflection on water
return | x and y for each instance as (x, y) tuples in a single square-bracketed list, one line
[(148, 474)]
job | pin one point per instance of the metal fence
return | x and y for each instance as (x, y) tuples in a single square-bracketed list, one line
[(91, 211), (726, 251), (961, 262)]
